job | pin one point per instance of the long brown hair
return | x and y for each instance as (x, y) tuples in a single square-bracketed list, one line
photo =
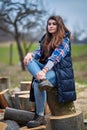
[(56, 40)]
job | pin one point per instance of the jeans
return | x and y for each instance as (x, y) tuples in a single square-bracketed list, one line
[(40, 97)]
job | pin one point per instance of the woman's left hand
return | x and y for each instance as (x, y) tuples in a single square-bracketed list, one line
[(40, 75)]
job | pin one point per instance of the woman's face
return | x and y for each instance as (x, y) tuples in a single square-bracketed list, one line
[(52, 26)]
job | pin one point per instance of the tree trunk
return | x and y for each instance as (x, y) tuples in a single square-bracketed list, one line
[(20, 51), (11, 54)]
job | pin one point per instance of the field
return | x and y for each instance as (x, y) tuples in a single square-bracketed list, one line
[(79, 56), (15, 74)]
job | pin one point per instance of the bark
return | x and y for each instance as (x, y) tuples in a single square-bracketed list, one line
[(20, 51), (20, 116), (5, 99), (57, 108), (68, 122), (25, 85)]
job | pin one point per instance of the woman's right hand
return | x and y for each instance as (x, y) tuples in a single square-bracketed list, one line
[(27, 58)]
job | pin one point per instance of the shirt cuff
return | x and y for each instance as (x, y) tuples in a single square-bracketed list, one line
[(49, 65)]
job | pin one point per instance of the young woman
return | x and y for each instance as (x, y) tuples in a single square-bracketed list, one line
[(51, 66)]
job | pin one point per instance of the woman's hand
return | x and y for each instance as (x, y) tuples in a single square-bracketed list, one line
[(27, 58), (40, 75)]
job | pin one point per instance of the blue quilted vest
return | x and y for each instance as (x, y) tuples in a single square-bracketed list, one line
[(65, 79)]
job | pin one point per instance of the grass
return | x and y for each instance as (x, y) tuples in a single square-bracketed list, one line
[(79, 50), (79, 56), (14, 72), (5, 53)]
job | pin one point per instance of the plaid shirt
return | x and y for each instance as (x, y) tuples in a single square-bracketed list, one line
[(58, 53)]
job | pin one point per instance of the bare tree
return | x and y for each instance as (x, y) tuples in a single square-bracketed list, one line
[(18, 16), (78, 32)]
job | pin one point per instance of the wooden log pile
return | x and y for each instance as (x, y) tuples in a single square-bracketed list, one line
[(16, 98), (18, 110)]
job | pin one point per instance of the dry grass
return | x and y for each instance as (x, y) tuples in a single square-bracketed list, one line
[(14, 73)]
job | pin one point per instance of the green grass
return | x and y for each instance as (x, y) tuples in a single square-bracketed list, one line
[(79, 50), (5, 53), (79, 56)]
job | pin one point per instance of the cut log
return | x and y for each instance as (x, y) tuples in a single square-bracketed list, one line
[(2, 110), (4, 83), (67, 122), (12, 125), (20, 116), (13, 101), (2, 114), (42, 127), (22, 92), (25, 104), (25, 85), (15, 98), (56, 108), (3, 126), (5, 99), (47, 118)]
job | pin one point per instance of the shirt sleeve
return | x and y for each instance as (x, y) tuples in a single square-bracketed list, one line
[(60, 52), (37, 53)]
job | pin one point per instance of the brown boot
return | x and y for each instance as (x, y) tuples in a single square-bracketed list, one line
[(36, 121), (45, 84)]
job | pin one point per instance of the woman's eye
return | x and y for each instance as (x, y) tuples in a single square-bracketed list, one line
[(51, 23), (54, 23)]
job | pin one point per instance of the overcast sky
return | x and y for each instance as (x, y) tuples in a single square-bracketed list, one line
[(74, 11)]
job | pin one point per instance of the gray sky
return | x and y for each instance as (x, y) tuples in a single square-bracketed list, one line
[(74, 11)]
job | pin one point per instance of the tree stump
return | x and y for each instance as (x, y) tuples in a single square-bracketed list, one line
[(4, 83), (25, 104), (64, 115), (56, 108), (15, 98), (67, 122), (25, 85)]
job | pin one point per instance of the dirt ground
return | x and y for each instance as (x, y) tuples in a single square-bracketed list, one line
[(81, 102)]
